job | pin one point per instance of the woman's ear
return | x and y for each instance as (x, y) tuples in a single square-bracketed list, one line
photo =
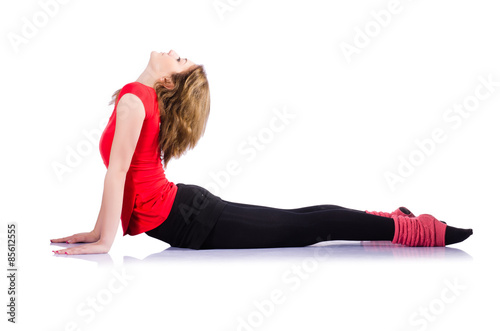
[(167, 82)]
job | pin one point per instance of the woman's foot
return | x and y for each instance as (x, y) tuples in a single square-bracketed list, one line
[(423, 230), (426, 230), (455, 235), (452, 235)]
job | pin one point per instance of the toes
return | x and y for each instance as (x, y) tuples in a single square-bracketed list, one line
[(455, 235)]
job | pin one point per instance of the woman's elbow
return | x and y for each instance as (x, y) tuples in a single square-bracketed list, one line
[(117, 171)]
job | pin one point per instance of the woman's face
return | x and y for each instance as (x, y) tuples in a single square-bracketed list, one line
[(166, 64)]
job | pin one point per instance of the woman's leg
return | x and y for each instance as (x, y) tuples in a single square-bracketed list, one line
[(297, 210), (251, 226)]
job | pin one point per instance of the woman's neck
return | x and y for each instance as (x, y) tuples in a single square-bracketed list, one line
[(147, 78)]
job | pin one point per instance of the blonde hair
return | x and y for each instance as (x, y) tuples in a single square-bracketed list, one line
[(184, 111)]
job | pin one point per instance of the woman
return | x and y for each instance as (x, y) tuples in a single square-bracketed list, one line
[(163, 114)]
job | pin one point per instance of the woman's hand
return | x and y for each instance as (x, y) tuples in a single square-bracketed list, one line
[(93, 248), (84, 237)]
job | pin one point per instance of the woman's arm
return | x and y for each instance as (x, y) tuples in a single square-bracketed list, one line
[(130, 114)]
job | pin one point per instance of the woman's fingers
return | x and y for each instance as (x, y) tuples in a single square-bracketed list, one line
[(76, 238), (60, 240), (70, 251), (93, 248)]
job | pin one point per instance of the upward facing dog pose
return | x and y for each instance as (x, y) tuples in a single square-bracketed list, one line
[(163, 114)]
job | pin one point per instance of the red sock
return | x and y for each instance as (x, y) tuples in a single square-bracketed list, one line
[(423, 230), (397, 212)]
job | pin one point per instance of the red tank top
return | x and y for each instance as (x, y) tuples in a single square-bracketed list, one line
[(148, 195)]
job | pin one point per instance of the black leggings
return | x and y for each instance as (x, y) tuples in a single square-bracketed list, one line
[(250, 226)]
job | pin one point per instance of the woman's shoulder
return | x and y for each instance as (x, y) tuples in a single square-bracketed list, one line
[(136, 87), (146, 93)]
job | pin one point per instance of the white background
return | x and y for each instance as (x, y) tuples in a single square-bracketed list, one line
[(354, 119)]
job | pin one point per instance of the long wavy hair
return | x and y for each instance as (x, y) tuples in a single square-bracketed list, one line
[(184, 111)]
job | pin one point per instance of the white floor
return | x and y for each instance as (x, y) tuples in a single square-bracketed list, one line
[(327, 286)]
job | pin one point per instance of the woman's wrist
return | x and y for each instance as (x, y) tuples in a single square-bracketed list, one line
[(106, 244), (95, 234)]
